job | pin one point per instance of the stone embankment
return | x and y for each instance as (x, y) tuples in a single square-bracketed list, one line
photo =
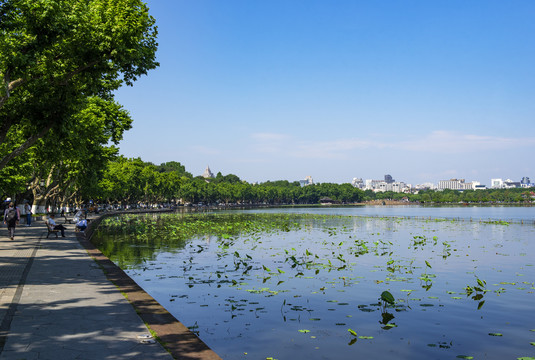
[(60, 298)]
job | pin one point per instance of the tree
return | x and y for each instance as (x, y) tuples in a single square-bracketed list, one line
[(54, 54), (122, 181), (230, 178), (174, 166), (69, 164)]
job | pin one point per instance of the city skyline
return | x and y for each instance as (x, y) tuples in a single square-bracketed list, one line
[(280, 90), (387, 178)]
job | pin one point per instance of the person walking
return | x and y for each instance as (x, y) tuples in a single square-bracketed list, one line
[(11, 218), (28, 210)]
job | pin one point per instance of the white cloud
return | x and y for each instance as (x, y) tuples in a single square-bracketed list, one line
[(441, 142), (456, 142)]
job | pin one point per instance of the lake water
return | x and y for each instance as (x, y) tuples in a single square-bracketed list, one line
[(506, 213), (299, 283)]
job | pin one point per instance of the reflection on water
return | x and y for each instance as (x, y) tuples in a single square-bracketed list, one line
[(525, 214), (256, 285)]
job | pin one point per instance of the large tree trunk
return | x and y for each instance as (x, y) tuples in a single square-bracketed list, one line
[(39, 204), (43, 191)]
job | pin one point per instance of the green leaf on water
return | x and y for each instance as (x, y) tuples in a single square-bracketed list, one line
[(526, 358), (304, 331), (428, 265), (464, 357), (352, 332), (387, 297), (495, 334), (365, 337)]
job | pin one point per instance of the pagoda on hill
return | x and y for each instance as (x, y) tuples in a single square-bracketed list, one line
[(207, 173)]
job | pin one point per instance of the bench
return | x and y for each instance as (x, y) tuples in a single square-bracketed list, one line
[(67, 220), (50, 230)]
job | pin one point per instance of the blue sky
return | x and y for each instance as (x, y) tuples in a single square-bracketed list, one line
[(278, 89)]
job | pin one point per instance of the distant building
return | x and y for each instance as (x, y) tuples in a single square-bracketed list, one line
[(308, 181), (506, 184), (358, 183), (496, 183), (207, 173), (425, 186), (388, 184), (526, 183), (510, 184), (454, 184), (372, 184), (388, 179), (476, 185), (328, 201)]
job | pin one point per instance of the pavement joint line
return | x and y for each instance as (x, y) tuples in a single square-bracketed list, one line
[(56, 299), (12, 308), (54, 292)]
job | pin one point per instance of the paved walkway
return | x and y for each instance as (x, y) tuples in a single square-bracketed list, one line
[(56, 303)]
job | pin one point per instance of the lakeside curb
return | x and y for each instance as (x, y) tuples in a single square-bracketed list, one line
[(174, 336)]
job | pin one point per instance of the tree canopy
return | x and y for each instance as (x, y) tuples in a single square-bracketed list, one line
[(56, 54)]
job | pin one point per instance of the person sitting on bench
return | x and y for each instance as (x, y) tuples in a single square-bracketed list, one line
[(52, 225)]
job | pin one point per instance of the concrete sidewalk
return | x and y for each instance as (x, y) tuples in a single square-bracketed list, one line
[(56, 303)]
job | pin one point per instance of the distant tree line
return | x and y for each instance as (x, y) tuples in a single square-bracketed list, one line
[(131, 180), (513, 195)]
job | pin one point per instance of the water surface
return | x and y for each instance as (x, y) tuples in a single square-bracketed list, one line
[(293, 290)]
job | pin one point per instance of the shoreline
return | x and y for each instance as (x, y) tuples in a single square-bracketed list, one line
[(174, 336)]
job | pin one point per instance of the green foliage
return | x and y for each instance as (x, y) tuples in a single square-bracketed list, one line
[(56, 54), (174, 167), (514, 195), (132, 181), (387, 297)]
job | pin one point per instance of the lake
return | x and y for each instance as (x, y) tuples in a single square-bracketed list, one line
[(306, 283)]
